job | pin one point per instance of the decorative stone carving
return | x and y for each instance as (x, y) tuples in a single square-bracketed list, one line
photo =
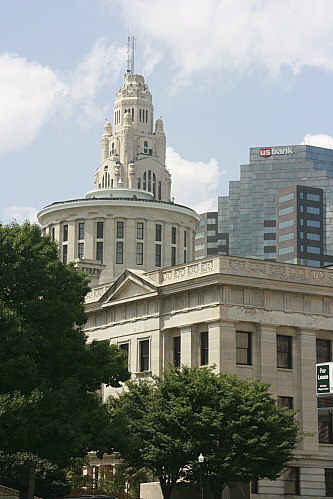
[(236, 265), (180, 272), (207, 266), (195, 269)]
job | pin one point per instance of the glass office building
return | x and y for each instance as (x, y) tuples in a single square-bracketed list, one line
[(281, 209)]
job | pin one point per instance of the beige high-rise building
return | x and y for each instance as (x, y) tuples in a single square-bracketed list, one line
[(129, 219)]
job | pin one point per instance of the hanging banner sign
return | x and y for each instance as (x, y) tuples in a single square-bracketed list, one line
[(324, 374)]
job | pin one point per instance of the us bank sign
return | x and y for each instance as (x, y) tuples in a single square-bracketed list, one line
[(266, 152), (324, 376)]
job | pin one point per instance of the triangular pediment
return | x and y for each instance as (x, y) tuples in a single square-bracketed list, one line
[(131, 285)]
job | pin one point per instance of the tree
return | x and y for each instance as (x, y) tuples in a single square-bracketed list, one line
[(236, 424), (48, 373)]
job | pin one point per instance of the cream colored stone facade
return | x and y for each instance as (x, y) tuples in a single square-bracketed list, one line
[(129, 220), (224, 296)]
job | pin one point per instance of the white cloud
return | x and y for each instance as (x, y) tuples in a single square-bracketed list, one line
[(319, 140), (19, 213), (222, 35), (29, 92), (194, 183)]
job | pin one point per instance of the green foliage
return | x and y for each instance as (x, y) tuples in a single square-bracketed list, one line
[(48, 373), (74, 474), (236, 424), (50, 481), (126, 482)]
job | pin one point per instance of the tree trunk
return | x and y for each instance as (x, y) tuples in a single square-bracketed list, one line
[(217, 489)]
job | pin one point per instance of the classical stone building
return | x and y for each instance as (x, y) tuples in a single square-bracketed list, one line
[(129, 219), (265, 320), (259, 320)]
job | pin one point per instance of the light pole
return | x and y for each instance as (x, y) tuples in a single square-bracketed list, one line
[(201, 459)]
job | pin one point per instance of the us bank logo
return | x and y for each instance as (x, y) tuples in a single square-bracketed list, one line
[(266, 152)]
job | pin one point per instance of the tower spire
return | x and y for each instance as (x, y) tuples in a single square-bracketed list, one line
[(130, 54)]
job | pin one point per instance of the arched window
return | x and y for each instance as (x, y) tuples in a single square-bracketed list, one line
[(149, 180), (145, 147), (145, 181), (154, 185)]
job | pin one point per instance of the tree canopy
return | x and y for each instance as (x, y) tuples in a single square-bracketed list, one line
[(48, 373), (236, 424)]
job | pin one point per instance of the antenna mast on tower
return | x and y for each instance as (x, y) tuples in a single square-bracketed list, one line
[(130, 54)]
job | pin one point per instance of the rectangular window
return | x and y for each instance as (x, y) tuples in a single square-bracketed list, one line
[(329, 482), (139, 230), (120, 230), (285, 402), (139, 253), (158, 232), (285, 211), (144, 355), (313, 263), (312, 197), (157, 255), (312, 236), (173, 235), (176, 351), (100, 230), (99, 251), (125, 348), (325, 426), (159, 190), (204, 349), (313, 249), (287, 249), (80, 250), (185, 256), (286, 237), (64, 253), (199, 247), (243, 348), (185, 238), (65, 233), (286, 197), (53, 233), (284, 357), (120, 252), (291, 481), (287, 223), (173, 256), (81, 231), (323, 351), (199, 235), (313, 210), (313, 223)]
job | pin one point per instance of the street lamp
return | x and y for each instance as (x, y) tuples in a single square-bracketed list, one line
[(201, 459)]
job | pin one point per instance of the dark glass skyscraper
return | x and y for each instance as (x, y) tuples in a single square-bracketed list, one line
[(282, 206)]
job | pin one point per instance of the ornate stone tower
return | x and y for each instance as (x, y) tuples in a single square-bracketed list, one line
[(128, 220)]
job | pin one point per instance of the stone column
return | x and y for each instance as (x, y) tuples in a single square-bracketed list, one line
[(267, 356), (188, 347), (72, 241), (89, 238), (228, 347), (305, 389)]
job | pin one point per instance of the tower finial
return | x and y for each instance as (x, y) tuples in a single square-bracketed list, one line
[(130, 54)]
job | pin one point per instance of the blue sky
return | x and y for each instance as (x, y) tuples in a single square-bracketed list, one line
[(225, 75)]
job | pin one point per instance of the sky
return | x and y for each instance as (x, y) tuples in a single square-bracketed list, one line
[(225, 75)]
